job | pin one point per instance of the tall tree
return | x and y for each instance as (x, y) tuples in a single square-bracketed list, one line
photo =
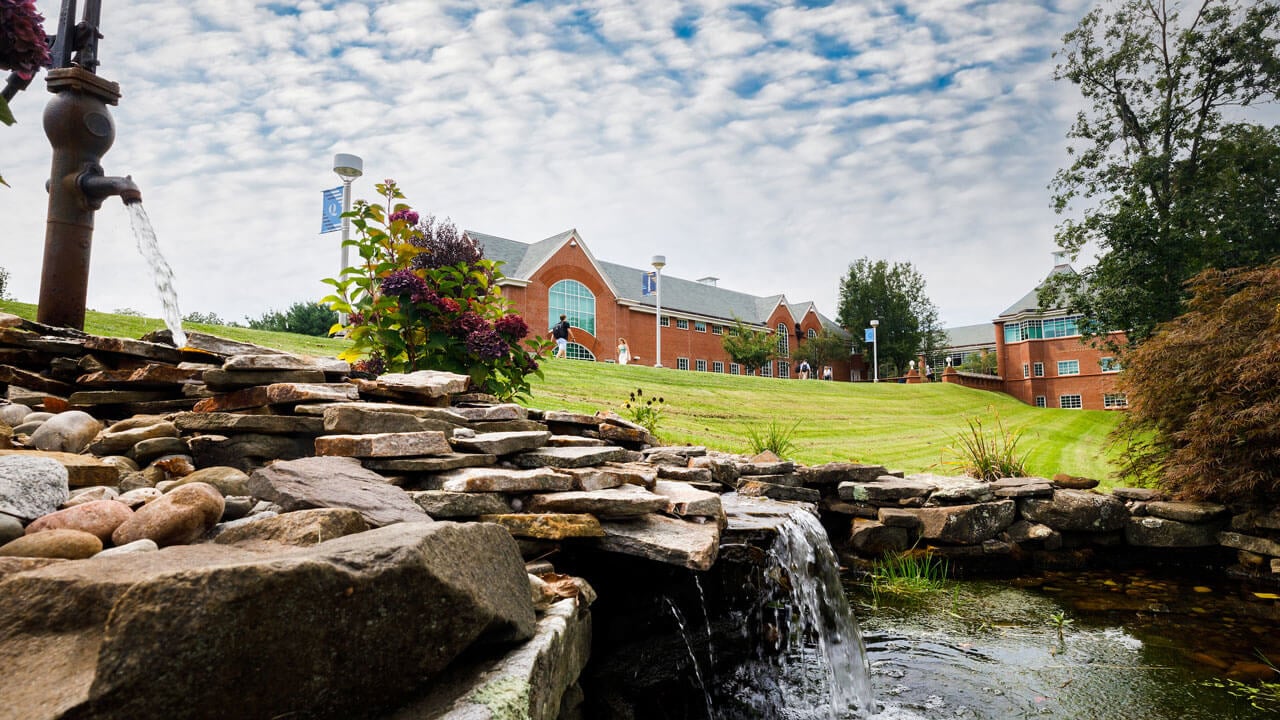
[(894, 295), (749, 347), (1171, 188)]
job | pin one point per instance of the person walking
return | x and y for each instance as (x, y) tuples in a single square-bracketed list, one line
[(624, 352), (562, 332), (826, 372), (805, 369)]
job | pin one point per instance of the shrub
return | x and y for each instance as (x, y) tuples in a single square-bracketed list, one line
[(988, 457), (1204, 392), (775, 437), (302, 318), (422, 296)]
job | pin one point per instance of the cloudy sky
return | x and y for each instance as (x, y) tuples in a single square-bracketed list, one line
[(766, 143)]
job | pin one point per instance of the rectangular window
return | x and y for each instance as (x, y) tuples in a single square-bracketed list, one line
[(701, 365), (717, 366), (1115, 400), (735, 369), (682, 324), (1062, 327), (1011, 332), (717, 329), (1109, 364), (1040, 401), (1068, 367), (682, 363), (1038, 369), (766, 370), (784, 369), (700, 326), (1026, 370), (1031, 330), (1069, 402), (666, 321), (956, 358)]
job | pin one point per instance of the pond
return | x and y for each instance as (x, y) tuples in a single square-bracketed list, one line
[(1083, 646)]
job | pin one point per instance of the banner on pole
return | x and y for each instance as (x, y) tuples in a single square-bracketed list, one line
[(869, 335), (650, 283), (331, 214)]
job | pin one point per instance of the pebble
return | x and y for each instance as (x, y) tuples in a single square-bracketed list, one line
[(65, 544), (71, 431), (177, 518), (137, 546)]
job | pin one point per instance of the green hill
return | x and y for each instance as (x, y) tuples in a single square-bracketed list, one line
[(906, 427)]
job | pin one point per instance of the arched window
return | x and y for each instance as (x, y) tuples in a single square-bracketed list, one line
[(812, 333), (573, 300), (574, 351), (784, 340)]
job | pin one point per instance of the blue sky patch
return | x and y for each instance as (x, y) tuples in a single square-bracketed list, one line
[(756, 12), (749, 85), (685, 26)]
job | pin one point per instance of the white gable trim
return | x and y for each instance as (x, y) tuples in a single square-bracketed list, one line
[(576, 239)]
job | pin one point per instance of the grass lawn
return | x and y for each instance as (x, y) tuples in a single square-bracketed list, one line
[(905, 427)]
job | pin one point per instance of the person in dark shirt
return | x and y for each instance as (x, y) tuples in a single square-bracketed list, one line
[(562, 332)]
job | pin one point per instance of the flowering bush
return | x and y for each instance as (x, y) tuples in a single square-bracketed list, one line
[(22, 46), (423, 296)]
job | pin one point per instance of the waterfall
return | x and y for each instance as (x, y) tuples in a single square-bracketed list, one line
[(160, 271)]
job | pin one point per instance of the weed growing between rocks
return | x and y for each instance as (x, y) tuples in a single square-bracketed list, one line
[(988, 456), (775, 437), (908, 576), (645, 412)]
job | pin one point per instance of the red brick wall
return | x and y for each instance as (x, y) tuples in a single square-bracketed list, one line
[(1091, 384)]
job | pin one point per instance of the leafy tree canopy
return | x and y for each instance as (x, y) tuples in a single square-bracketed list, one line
[(301, 318), (749, 347), (895, 295), (1204, 392), (1169, 186), (823, 349)]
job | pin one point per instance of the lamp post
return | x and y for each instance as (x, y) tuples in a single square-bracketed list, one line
[(658, 262), (348, 168), (875, 350)]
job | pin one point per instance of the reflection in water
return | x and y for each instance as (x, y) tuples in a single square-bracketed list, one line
[(160, 271), (1134, 649)]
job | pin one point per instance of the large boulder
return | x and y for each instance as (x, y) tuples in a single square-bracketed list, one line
[(71, 431), (99, 518), (341, 482), (1076, 511), (348, 628), (177, 518), (965, 524)]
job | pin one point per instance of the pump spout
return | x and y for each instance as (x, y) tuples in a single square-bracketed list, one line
[(97, 187)]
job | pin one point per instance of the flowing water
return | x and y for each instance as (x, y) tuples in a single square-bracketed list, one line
[(160, 271)]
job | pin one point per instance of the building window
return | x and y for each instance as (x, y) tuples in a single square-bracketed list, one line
[(766, 370), (784, 369), (665, 321), (956, 358), (574, 351), (701, 365), (784, 340), (1040, 401), (717, 329), (1068, 367), (1115, 400), (1026, 370), (682, 324), (735, 369), (682, 363), (1023, 330), (573, 300), (1038, 369), (1062, 327), (717, 366), (1109, 364), (1069, 402), (700, 326), (812, 334)]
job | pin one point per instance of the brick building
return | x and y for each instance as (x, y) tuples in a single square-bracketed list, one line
[(604, 301), (1042, 359)]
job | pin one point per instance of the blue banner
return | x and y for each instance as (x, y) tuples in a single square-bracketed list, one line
[(650, 284), (331, 215), (869, 335)]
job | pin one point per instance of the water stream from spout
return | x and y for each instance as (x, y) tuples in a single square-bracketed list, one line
[(160, 271)]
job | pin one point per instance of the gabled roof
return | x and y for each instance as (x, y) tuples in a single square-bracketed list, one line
[(1031, 302), (522, 260), (971, 335)]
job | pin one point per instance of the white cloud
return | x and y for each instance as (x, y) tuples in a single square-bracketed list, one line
[(931, 140)]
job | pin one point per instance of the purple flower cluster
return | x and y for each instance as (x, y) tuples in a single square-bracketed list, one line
[(470, 323), (487, 344), (405, 282), (374, 365), (406, 215), (23, 27), (511, 327)]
